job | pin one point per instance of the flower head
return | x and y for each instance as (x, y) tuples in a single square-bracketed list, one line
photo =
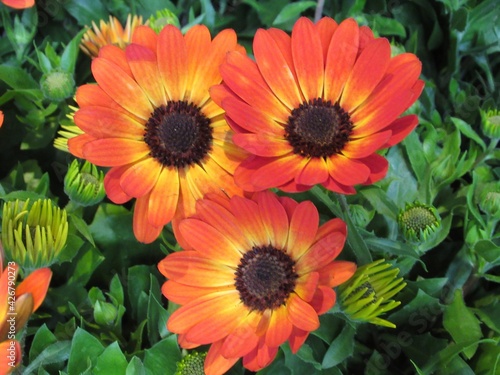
[(315, 107), (33, 235), (29, 295), (84, 184), (18, 4), (69, 130), (368, 293), (491, 123), (109, 33), (151, 119), (57, 85), (418, 220), (255, 273), (191, 364)]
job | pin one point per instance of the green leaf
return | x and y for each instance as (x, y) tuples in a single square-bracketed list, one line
[(17, 78), (85, 349), (292, 11), (208, 12), (70, 53), (157, 316), (341, 348), (82, 227), (461, 323), (43, 338), (116, 290), (467, 130), (84, 265), (418, 313), (135, 367), (138, 281), (111, 361), (86, 11), (162, 358), (488, 250), (57, 352)]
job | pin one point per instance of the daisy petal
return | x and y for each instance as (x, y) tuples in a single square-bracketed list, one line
[(140, 178), (326, 27), (36, 284), (347, 171), (321, 253), (400, 128), (104, 122), (323, 300), (164, 197), (297, 339), (262, 144), (242, 339), (143, 230), (183, 294), (301, 314), (112, 152), (260, 357), (336, 273), (112, 185), (146, 37), (279, 328), (274, 217), (215, 362), (314, 172), (306, 285), (246, 213), (378, 167), (363, 147), (303, 228)]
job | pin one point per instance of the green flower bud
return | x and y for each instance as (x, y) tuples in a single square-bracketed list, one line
[(191, 364), (491, 123), (33, 236), (84, 184), (417, 221), (367, 294), (489, 199), (105, 313), (161, 19), (57, 85), (68, 131)]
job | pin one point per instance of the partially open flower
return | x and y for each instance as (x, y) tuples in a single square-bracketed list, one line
[(109, 33), (84, 184), (69, 130), (33, 235), (191, 364), (57, 85), (491, 123), (418, 220), (368, 293)]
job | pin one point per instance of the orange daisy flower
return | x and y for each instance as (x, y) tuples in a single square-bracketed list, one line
[(29, 295), (256, 273), (1, 118), (315, 107), (150, 117), (111, 32), (18, 4)]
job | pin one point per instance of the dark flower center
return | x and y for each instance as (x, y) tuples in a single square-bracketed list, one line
[(178, 134), (265, 278), (318, 129)]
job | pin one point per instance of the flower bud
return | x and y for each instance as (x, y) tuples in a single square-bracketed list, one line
[(417, 221), (191, 364), (84, 184)]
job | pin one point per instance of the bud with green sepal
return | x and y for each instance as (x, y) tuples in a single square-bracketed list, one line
[(84, 184)]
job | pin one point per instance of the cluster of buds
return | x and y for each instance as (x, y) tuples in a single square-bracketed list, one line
[(191, 364)]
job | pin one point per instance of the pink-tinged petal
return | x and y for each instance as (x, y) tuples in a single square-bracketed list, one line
[(76, 144), (306, 285), (121, 87), (331, 226), (303, 227), (277, 171), (185, 344), (260, 357), (336, 273), (378, 167), (325, 28), (275, 69), (117, 56), (164, 197), (183, 294), (182, 266), (347, 171), (221, 182), (365, 37), (400, 128), (103, 122), (215, 362), (209, 242), (37, 284), (367, 72), (293, 187), (340, 58), (243, 338), (228, 156), (337, 187), (262, 144), (140, 178), (91, 95), (314, 172), (297, 339), (301, 314), (146, 37), (289, 204), (274, 217), (200, 309), (323, 300), (112, 185), (321, 253), (143, 230), (307, 54), (280, 327), (363, 147), (144, 67), (247, 215), (284, 45), (244, 79), (250, 118), (172, 66)]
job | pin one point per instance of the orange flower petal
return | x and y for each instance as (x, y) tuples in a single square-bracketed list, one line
[(347, 171), (121, 87), (301, 314), (378, 167), (274, 217), (104, 122), (112, 185), (5, 362), (400, 128), (247, 215), (242, 339), (275, 69), (331, 226), (215, 362), (279, 328), (144, 67), (183, 294), (220, 181), (297, 339), (363, 147), (303, 227), (143, 230), (323, 300), (337, 187), (23, 309), (284, 45), (340, 59), (260, 357), (164, 197), (192, 268), (325, 28), (228, 156), (4, 287), (19, 4), (172, 66), (307, 54), (145, 36), (116, 55), (112, 152), (367, 72), (336, 273), (91, 95), (262, 144), (209, 242), (37, 283), (306, 285), (277, 171), (322, 252), (365, 37), (141, 177), (314, 172), (198, 41), (76, 144)]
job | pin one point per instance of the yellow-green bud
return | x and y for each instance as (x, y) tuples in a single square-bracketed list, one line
[(105, 313), (191, 364), (161, 19), (57, 85), (68, 131), (367, 294), (491, 123), (84, 184), (417, 221), (33, 235), (489, 199)]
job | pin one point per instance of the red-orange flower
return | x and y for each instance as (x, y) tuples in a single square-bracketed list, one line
[(16, 306), (315, 107), (256, 273), (150, 117), (1, 118), (18, 4)]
